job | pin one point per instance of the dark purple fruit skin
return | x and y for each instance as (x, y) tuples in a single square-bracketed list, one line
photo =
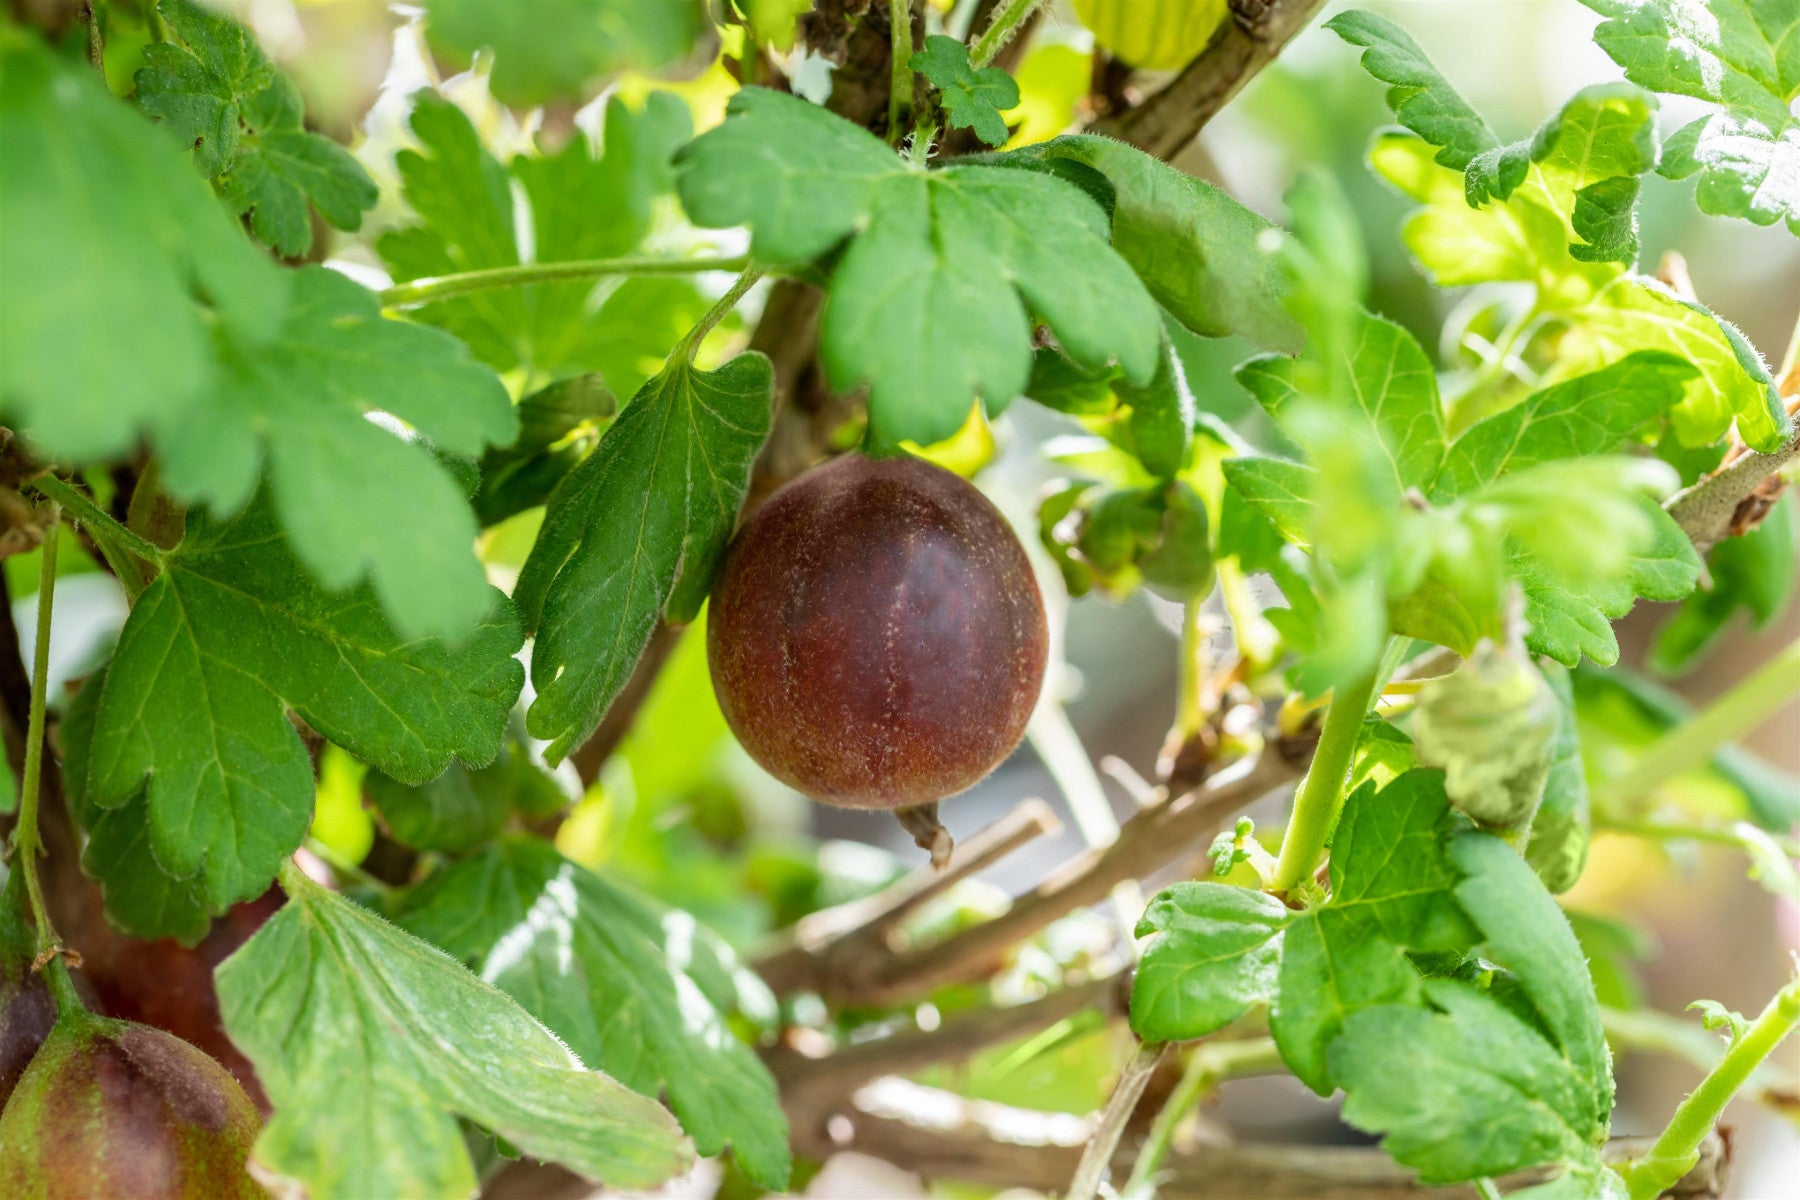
[(112, 1108), (876, 636)]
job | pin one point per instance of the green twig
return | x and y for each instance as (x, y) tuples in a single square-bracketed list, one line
[(1256, 638), (1097, 1158), (1678, 1148), (1190, 671), (900, 51), (1694, 741), (28, 846), (444, 287), (690, 344), (1209, 1065), (1669, 831), (1000, 31), (1321, 793)]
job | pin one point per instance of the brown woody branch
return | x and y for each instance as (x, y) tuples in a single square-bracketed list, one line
[(1169, 119), (869, 971), (982, 1142), (1733, 499), (789, 964)]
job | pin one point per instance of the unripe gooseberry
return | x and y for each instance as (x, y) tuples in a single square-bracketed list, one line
[(113, 1108), (876, 636)]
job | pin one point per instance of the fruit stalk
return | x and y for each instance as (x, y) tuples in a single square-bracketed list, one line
[(1321, 793)]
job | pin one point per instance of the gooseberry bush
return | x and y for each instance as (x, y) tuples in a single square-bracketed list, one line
[(394, 841)]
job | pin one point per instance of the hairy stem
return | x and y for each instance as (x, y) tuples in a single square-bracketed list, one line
[(27, 845), (689, 345), (1097, 1158), (1321, 793), (1693, 741), (113, 538), (1209, 1064), (901, 81), (1000, 31), (444, 287), (1678, 1148)]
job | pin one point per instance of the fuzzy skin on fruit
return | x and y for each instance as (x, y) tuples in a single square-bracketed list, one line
[(111, 1108), (876, 636)]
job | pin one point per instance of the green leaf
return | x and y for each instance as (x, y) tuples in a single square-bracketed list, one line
[(1280, 490), (1196, 248), (465, 808), (1589, 414), (1738, 54), (109, 242), (1754, 572), (972, 99), (1524, 930), (1392, 387), (1422, 99), (559, 426), (581, 205), (141, 898), (1567, 618), (1214, 952), (1601, 313), (1391, 892), (1558, 846), (1485, 1085), (357, 501), (635, 532), (211, 84), (1461, 1090), (928, 300), (371, 1042), (192, 713), (554, 49), (616, 979), (1583, 162)]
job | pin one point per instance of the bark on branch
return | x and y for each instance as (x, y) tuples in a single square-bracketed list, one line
[(1168, 120), (870, 971)]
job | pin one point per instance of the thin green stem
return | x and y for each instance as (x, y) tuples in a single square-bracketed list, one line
[(900, 51), (1256, 638), (27, 845), (1000, 31), (1209, 1064), (919, 149), (1321, 793), (1190, 671), (444, 287), (688, 346), (100, 523), (1678, 1148), (1097, 1158), (1487, 1189), (1694, 740), (1670, 831)]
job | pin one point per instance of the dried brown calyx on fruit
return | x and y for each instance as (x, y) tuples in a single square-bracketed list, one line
[(877, 638), (112, 1108)]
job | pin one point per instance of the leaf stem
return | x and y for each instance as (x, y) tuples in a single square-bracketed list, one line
[(900, 51), (1209, 1065), (27, 845), (1097, 1158), (444, 287), (1678, 1148), (690, 344), (1321, 793), (113, 537), (1256, 638), (1000, 31), (1693, 741), (1665, 831)]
